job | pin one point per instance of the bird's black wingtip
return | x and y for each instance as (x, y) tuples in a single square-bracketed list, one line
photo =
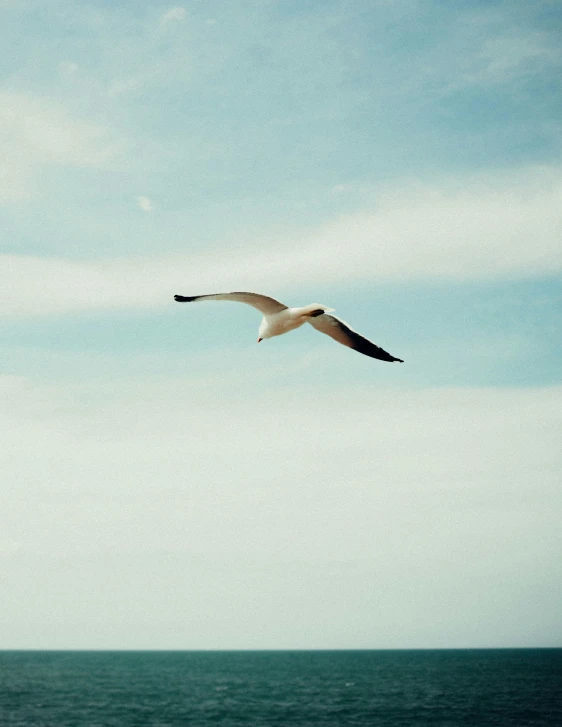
[(184, 298), (399, 360)]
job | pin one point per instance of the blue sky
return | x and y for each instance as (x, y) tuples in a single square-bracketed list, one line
[(399, 161)]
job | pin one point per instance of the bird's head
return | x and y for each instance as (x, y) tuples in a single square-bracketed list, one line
[(263, 330)]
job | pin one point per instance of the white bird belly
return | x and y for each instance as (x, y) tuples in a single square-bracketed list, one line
[(282, 322)]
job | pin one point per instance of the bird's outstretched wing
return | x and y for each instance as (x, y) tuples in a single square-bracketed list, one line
[(342, 333), (262, 302)]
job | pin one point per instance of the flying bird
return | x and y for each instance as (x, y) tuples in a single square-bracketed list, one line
[(279, 318)]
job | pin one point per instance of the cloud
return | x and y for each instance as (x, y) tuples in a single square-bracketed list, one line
[(440, 501), (68, 69), (173, 15), (48, 134), (35, 132), (461, 229), (122, 86), (478, 229), (516, 55), (144, 203)]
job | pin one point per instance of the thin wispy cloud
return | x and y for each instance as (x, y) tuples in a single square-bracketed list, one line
[(122, 86), (176, 14), (68, 69), (493, 229), (36, 133), (515, 56), (145, 204)]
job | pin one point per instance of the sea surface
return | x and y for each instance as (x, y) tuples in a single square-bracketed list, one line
[(290, 688)]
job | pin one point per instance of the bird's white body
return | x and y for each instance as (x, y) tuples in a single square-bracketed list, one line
[(275, 324)]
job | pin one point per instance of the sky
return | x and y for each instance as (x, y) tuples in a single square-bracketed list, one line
[(169, 484)]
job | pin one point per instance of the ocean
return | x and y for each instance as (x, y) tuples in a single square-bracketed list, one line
[(475, 688)]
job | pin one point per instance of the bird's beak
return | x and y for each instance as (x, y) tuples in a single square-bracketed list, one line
[(259, 339)]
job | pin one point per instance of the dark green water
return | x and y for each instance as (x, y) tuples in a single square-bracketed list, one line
[(149, 689)]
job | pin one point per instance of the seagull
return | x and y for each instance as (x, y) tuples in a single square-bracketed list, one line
[(279, 318)]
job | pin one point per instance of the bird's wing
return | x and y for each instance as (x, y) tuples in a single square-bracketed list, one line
[(264, 304), (342, 333)]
